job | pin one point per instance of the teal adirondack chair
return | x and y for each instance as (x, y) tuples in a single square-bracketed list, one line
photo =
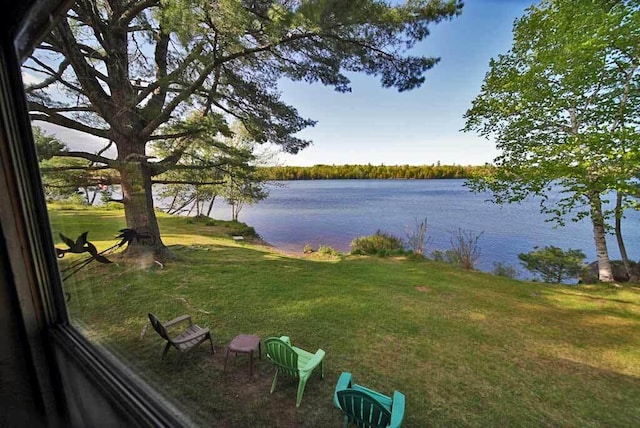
[(367, 408), (293, 362)]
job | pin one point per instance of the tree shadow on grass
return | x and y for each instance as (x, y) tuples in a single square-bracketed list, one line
[(559, 384), (235, 290), (598, 298)]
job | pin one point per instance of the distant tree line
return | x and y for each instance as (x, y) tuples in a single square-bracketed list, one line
[(325, 172)]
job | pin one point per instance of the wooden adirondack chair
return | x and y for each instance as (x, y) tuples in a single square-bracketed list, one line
[(293, 362), (367, 408), (183, 342)]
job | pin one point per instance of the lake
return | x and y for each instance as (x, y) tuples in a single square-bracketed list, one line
[(333, 212)]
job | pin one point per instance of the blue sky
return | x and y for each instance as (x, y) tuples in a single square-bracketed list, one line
[(376, 125), (381, 126)]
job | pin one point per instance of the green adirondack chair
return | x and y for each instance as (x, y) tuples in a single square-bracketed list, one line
[(367, 408), (293, 362)]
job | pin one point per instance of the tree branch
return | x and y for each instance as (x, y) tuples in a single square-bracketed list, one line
[(50, 115), (111, 163), (51, 72), (166, 80), (133, 8), (195, 183), (52, 78), (263, 48), (84, 71), (170, 161), (72, 168), (154, 105), (170, 136)]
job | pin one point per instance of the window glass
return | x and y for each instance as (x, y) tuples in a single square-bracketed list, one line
[(160, 127)]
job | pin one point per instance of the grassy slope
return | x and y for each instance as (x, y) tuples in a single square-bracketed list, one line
[(466, 348)]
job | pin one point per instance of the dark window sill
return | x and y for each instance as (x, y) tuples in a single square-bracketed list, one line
[(86, 368)]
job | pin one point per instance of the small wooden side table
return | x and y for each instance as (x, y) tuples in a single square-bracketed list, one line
[(244, 344)]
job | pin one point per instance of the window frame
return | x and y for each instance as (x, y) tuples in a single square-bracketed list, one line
[(49, 339)]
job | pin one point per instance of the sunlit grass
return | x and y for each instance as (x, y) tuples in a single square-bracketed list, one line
[(466, 348)]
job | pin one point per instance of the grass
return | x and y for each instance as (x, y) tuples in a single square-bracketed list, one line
[(466, 348)]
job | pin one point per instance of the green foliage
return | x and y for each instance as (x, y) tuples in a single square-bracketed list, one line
[(326, 250), (323, 172), (212, 166), (230, 227), (442, 256), (503, 269), (47, 145), (563, 107), (553, 264), (380, 243), (66, 178)]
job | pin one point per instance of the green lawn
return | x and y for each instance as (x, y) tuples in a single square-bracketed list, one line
[(466, 348)]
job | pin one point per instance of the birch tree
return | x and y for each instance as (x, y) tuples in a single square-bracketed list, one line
[(563, 105)]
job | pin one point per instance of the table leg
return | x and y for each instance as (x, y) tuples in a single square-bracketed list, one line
[(226, 358)]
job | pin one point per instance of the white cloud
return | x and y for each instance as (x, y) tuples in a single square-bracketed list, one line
[(29, 79), (78, 141)]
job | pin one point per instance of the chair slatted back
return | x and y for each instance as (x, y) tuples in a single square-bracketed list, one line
[(158, 327), (363, 410), (283, 356)]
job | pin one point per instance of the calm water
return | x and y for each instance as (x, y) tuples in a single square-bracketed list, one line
[(333, 212)]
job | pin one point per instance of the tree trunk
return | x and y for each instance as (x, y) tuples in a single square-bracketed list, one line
[(93, 197), (211, 206), (180, 209), (173, 201), (86, 196), (139, 211), (599, 236), (235, 211), (621, 246)]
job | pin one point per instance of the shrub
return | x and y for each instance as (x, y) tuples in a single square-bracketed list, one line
[(447, 256), (325, 250), (417, 238), (502, 269), (308, 249), (233, 227), (552, 263), (380, 243), (464, 248), (241, 229)]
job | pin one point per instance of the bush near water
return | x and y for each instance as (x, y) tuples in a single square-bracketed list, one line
[(380, 243)]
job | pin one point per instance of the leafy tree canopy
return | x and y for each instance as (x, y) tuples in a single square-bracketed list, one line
[(563, 105), (553, 264)]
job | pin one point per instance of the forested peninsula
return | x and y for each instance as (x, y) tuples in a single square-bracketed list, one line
[(332, 172)]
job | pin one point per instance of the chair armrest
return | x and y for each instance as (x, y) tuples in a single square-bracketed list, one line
[(397, 410), (192, 336), (314, 361), (344, 382), (286, 340), (177, 320)]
